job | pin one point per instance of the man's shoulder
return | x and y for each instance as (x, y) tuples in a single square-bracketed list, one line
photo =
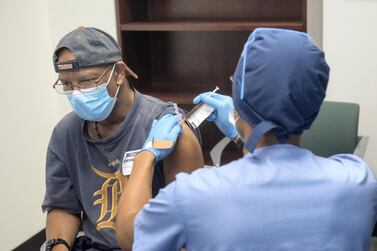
[(69, 121), (69, 127), (153, 102), (150, 108)]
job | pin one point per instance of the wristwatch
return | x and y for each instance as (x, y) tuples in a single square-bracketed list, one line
[(53, 242)]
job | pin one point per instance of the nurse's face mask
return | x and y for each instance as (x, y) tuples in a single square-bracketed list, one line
[(90, 99)]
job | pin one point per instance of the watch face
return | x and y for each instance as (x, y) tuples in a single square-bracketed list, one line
[(50, 244)]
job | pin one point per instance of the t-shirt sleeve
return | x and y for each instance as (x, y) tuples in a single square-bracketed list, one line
[(158, 226), (59, 189), (167, 108), (170, 109)]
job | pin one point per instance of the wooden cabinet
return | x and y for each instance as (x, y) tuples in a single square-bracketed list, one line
[(180, 48)]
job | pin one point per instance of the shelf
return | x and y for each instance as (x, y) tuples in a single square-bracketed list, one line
[(176, 97), (209, 26), (178, 94)]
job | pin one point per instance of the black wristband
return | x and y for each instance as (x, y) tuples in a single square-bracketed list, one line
[(56, 241)]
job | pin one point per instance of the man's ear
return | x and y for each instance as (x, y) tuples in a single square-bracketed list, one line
[(124, 71), (120, 69)]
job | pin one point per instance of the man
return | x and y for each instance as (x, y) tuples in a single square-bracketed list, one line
[(87, 164), (278, 196)]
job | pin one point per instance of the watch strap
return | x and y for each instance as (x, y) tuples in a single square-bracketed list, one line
[(56, 241)]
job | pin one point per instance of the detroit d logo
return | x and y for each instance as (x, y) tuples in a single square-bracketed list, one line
[(108, 198)]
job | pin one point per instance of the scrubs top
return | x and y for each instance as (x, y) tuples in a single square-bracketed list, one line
[(281, 197)]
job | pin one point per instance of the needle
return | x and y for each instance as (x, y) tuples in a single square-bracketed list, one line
[(216, 89), (201, 103)]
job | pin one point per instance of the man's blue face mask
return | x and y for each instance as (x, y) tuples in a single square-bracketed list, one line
[(93, 105)]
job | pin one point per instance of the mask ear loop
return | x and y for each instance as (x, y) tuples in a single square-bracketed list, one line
[(116, 93), (108, 81)]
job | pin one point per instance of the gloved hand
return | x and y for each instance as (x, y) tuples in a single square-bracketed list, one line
[(223, 110), (163, 136)]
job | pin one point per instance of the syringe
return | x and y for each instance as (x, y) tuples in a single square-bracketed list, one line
[(200, 112)]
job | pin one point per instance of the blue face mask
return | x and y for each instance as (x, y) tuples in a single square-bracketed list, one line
[(95, 104)]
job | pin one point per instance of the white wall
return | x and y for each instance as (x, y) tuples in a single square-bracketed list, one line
[(29, 106), (28, 112), (350, 44), (314, 20)]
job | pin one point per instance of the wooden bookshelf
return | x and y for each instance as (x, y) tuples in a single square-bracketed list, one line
[(208, 26), (180, 48), (176, 97)]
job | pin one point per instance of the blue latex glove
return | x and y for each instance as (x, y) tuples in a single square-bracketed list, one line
[(167, 128), (223, 110)]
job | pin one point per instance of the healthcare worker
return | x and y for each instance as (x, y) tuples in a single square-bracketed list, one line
[(278, 196)]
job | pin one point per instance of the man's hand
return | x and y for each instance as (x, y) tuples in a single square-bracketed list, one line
[(163, 136), (223, 111)]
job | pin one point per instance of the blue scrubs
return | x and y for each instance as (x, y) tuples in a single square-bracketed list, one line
[(281, 197)]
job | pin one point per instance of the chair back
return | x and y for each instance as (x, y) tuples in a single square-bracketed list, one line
[(334, 131)]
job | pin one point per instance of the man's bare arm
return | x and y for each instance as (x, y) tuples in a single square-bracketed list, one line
[(186, 156), (63, 225)]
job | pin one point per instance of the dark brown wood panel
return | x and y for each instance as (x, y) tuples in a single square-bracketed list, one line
[(215, 10), (180, 62), (132, 10), (163, 10), (210, 26), (137, 55)]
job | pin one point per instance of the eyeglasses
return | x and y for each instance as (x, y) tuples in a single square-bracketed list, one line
[(84, 86)]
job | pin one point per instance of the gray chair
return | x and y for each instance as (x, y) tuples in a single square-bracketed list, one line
[(335, 130)]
